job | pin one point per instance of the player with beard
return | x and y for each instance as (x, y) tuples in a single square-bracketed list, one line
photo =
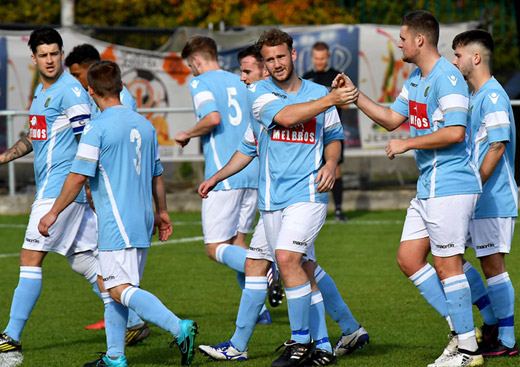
[(492, 226), (294, 121), (435, 101)]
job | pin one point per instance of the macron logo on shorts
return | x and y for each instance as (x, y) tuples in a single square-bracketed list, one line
[(489, 245), (299, 243), (449, 245)]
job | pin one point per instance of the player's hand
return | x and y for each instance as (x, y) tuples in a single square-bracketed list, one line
[(206, 187), (342, 81), (88, 192), (326, 177), (45, 223), (396, 146), (182, 138), (343, 96), (163, 223)]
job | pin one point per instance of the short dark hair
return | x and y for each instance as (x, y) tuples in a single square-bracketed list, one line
[(250, 51), (274, 37), (82, 54), (423, 22), (44, 36), (320, 46), (201, 45), (478, 36), (104, 77)]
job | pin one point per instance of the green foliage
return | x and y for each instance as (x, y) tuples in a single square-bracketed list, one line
[(360, 255)]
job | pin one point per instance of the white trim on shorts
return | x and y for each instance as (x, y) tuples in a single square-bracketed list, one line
[(444, 220), (490, 236), (75, 229)]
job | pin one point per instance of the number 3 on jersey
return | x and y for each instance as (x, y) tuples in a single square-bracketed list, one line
[(135, 136), (234, 120)]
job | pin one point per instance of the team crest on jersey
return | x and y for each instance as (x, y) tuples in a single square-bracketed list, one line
[(47, 102), (194, 83), (38, 127), (418, 115), (426, 91), (303, 133), (471, 108)]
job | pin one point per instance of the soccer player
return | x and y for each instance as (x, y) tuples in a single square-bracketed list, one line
[(435, 101), (219, 99), (120, 154), (78, 61), (322, 73), (58, 113), (291, 135), (493, 136)]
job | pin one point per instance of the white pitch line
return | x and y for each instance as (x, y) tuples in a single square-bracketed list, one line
[(154, 243)]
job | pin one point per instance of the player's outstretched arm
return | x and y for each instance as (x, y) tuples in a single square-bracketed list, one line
[(381, 115), (70, 190), (204, 126), (22, 147), (236, 164), (491, 159), (302, 112), (442, 138), (162, 219), (327, 174)]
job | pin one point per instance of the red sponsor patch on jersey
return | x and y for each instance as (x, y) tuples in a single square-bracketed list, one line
[(303, 133), (38, 127), (418, 115)]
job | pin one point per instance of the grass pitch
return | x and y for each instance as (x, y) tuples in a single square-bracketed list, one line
[(359, 255)]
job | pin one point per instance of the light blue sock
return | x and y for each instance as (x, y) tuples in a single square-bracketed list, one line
[(151, 309), (458, 296), (502, 296), (479, 294), (334, 304), (241, 279), (25, 296), (253, 298), (429, 284), (133, 319), (317, 324), (299, 305), (115, 326), (232, 256), (96, 290)]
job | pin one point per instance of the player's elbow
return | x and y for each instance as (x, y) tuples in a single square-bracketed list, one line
[(459, 136)]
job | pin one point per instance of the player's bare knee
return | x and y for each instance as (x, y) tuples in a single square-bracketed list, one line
[(493, 265), (32, 258), (211, 250)]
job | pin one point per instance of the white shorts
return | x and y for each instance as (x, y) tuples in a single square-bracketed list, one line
[(445, 220), (226, 212), (74, 231), (122, 266), (490, 236), (259, 248), (295, 228)]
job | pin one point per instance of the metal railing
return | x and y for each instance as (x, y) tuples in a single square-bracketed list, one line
[(9, 114)]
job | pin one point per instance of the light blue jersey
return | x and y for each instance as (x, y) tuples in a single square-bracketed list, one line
[(437, 101), (290, 158), (126, 100), (223, 92), (119, 150), (492, 120), (56, 115)]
